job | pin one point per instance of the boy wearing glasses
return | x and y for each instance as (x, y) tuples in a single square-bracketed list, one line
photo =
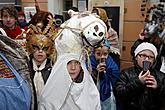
[(138, 89)]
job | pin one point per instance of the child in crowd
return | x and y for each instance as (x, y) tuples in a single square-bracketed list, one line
[(72, 87), (9, 22), (22, 20), (75, 71), (40, 48), (105, 73)]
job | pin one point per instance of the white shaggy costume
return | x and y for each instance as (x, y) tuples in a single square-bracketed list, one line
[(60, 92)]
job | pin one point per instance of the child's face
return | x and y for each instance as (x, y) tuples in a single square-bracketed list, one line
[(74, 68), (39, 56), (21, 18), (8, 21), (101, 53)]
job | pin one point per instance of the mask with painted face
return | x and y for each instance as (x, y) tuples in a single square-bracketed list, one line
[(38, 40)]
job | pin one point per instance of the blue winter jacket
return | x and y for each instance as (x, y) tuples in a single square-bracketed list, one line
[(107, 78)]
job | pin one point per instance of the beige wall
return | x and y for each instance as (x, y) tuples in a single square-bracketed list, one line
[(30, 3), (133, 24)]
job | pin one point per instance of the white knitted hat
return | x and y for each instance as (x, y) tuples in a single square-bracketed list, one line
[(146, 46)]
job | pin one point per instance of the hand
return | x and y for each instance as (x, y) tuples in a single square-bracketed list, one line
[(148, 80), (143, 76), (142, 35), (101, 67), (151, 82)]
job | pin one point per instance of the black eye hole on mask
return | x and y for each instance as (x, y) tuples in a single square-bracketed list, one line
[(35, 47), (45, 48), (101, 34)]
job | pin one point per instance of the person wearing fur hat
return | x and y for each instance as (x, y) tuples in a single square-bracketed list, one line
[(138, 87)]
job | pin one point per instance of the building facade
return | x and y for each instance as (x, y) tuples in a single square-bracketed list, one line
[(126, 17)]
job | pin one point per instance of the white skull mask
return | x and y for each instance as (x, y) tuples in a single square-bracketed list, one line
[(94, 30)]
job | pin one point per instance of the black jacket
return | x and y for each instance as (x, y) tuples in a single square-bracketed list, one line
[(45, 72), (133, 95)]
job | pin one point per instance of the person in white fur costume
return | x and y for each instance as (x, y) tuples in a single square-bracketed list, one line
[(70, 85)]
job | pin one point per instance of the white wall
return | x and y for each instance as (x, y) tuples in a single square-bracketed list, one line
[(55, 6), (74, 4)]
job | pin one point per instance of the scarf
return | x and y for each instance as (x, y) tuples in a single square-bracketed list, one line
[(38, 79), (13, 33)]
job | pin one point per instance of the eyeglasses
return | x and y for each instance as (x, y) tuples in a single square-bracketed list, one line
[(146, 56)]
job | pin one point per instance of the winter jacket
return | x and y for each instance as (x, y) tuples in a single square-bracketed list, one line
[(110, 77), (45, 74), (133, 95)]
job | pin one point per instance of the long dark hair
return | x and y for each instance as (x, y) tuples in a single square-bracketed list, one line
[(40, 17)]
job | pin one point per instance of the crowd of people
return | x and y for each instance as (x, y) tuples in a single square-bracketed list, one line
[(33, 76)]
